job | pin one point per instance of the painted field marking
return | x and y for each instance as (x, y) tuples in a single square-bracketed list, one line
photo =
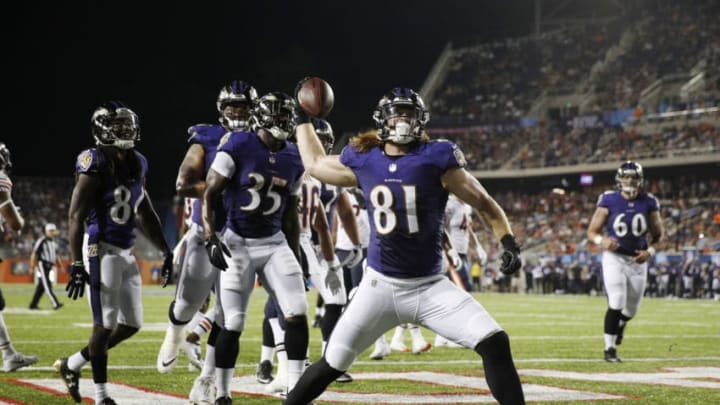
[(121, 393)]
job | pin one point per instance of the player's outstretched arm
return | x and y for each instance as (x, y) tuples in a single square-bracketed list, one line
[(190, 180), (327, 169)]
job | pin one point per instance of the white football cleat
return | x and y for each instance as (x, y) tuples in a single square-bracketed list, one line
[(420, 346), (168, 355), (398, 346), (381, 351), (279, 384), (440, 341), (203, 391), (16, 361)]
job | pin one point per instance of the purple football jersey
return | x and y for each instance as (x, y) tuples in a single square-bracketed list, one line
[(628, 219), (406, 205), (257, 193), (207, 136), (112, 217)]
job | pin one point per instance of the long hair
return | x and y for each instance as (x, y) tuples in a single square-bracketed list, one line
[(364, 141)]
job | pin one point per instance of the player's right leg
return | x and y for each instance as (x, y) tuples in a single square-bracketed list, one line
[(616, 289), (197, 277)]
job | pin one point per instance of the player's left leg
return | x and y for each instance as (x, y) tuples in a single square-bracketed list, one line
[(455, 314), (282, 277), (12, 360), (614, 278), (636, 282)]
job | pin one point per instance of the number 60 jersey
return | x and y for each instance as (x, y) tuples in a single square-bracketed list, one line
[(627, 220), (406, 205), (112, 217)]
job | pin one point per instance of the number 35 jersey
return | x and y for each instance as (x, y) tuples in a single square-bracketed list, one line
[(257, 194), (406, 205), (628, 219), (112, 216)]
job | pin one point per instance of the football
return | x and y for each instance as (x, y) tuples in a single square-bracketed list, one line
[(316, 97)]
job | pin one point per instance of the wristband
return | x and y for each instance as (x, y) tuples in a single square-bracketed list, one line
[(597, 239), (651, 251), (334, 264), (78, 263)]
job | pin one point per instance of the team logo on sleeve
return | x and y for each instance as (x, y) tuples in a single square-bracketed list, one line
[(85, 160), (224, 139), (459, 157)]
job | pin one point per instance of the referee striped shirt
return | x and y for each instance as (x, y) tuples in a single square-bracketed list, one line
[(46, 250)]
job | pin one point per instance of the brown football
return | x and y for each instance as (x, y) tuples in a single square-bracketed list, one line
[(316, 97)]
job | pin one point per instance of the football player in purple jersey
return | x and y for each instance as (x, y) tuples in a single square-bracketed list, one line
[(406, 179), (627, 214), (109, 202), (9, 216), (257, 174), (197, 276)]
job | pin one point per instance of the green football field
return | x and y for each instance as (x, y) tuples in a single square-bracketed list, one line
[(671, 355)]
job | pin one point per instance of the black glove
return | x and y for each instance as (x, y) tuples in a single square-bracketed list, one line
[(78, 278), (167, 269), (510, 256), (215, 249)]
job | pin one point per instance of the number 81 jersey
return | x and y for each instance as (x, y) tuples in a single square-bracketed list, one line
[(406, 205), (112, 216), (627, 220)]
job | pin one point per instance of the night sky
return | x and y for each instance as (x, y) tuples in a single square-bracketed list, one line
[(168, 63)]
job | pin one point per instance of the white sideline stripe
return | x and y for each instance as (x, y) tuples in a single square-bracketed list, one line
[(257, 339), (430, 362), (123, 394)]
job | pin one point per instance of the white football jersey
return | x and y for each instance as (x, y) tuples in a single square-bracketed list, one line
[(457, 219), (308, 203), (363, 226)]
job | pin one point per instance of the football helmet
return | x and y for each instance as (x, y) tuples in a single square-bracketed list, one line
[(115, 124), (400, 116), (5, 162), (236, 92), (629, 178), (274, 113), (324, 131)]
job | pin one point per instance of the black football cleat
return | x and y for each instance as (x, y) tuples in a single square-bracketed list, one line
[(264, 372), (223, 401), (611, 356), (344, 378), (70, 378)]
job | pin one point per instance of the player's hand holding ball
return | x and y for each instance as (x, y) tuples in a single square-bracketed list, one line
[(315, 98)]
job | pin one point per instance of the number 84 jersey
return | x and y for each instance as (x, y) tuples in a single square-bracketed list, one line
[(627, 220), (112, 217)]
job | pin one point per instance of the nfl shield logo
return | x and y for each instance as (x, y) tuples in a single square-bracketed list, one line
[(392, 168)]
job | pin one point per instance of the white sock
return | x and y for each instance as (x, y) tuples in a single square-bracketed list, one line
[(223, 377), (609, 340), (175, 332), (381, 341), (76, 361), (266, 353), (100, 392), (415, 333), (278, 332), (209, 365), (204, 324), (5, 344), (195, 320), (295, 369), (399, 333)]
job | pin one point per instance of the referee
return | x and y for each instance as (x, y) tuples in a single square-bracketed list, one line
[(45, 255)]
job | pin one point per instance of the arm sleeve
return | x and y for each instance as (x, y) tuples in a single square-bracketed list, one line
[(224, 164)]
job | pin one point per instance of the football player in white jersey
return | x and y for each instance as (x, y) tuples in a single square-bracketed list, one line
[(628, 214), (9, 216)]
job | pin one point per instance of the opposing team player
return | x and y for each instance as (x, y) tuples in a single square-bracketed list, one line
[(258, 175), (406, 179), (197, 276), (627, 214), (9, 216), (108, 202)]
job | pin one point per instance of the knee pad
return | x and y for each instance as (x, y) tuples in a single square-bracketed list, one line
[(340, 357), (235, 322), (180, 312)]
